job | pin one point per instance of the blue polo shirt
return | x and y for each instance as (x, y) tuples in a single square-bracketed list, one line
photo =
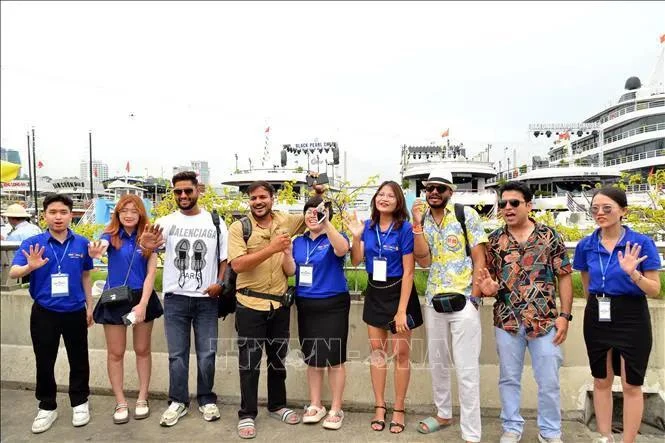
[(394, 244), (328, 278), (74, 259), (119, 260), (590, 253)]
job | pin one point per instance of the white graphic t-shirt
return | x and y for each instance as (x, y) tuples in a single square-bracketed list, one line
[(189, 266)]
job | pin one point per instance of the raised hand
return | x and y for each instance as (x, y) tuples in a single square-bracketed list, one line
[(356, 226), (35, 257), (97, 248), (630, 258), (152, 237), (487, 285), (417, 211)]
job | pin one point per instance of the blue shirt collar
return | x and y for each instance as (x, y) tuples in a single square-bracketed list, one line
[(595, 238), (123, 233), (49, 237)]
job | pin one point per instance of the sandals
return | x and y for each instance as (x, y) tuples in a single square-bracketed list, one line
[(320, 413), (246, 423), (142, 410), (394, 424), (284, 415), (334, 425), (381, 423), (121, 413), (432, 424)]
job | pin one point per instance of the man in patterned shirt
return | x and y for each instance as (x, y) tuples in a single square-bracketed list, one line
[(440, 243), (525, 259)]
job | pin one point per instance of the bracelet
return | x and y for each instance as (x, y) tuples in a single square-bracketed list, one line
[(639, 279), (418, 233)]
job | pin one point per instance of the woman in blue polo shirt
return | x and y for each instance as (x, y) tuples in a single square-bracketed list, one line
[(130, 266), (619, 267), (385, 242), (323, 302)]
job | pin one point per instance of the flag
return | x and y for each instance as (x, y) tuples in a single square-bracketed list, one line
[(40, 164), (8, 171), (651, 172), (127, 167), (267, 129), (662, 38), (564, 136), (94, 171), (445, 133)]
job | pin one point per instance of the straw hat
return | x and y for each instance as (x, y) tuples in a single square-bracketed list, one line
[(15, 211)]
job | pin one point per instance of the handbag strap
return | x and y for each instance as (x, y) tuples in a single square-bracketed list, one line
[(131, 262)]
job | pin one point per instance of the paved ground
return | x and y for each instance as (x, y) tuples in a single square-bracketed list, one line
[(18, 408)]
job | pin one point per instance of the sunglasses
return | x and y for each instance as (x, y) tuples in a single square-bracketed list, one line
[(187, 191), (513, 202), (605, 209), (439, 188)]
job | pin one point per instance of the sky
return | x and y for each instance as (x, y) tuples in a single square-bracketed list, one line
[(163, 83)]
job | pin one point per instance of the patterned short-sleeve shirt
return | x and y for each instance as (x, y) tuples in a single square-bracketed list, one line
[(526, 275), (451, 269)]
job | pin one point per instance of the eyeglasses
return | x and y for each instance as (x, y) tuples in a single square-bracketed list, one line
[(187, 191), (513, 202), (439, 188), (605, 209), (311, 211)]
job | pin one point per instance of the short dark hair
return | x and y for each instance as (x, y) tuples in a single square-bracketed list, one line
[(616, 194), (261, 184), (519, 187), (315, 201), (185, 176), (62, 198)]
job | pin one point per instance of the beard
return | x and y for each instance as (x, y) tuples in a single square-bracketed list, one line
[(190, 205), (443, 204)]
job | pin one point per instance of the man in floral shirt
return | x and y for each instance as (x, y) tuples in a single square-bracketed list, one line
[(525, 260)]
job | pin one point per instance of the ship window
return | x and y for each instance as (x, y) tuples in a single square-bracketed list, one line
[(627, 96)]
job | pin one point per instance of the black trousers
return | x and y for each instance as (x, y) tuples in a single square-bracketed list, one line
[(257, 329), (46, 327)]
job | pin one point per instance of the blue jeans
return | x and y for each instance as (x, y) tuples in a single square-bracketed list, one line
[(545, 359), (180, 314)]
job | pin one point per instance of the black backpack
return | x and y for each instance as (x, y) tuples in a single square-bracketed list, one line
[(227, 300), (461, 218)]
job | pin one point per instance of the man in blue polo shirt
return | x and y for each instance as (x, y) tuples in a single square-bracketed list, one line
[(59, 267)]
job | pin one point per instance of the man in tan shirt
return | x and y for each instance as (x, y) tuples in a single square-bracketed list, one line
[(261, 321)]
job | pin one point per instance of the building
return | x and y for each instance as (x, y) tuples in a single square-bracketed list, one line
[(199, 166), (12, 156), (100, 171)]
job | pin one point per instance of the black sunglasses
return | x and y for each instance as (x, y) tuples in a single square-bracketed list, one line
[(513, 202), (439, 188), (188, 191)]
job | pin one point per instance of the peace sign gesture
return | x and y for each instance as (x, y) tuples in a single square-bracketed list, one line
[(487, 286), (630, 259), (36, 257)]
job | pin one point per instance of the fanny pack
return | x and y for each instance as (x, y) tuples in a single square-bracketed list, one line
[(119, 294), (449, 302), (286, 299)]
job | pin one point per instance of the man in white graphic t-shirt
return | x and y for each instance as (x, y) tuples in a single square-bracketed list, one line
[(191, 284)]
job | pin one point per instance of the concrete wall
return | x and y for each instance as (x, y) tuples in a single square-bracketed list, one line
[(18, 365)]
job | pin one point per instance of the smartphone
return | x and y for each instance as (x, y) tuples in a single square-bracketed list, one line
[(321, 215), (322, 179), (129, 318), (409, 322)]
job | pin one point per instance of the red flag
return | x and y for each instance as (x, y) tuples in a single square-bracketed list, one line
[(127, 167), (267, 129), (94, 171), (445, 133), (651, 172), (564, 136), (662, 38), (40, 164)]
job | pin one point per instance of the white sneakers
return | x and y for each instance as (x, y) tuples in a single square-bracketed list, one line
[(81, 415), (542, 439), (172, 414), (210, 412), (510, 437), (43, 421)]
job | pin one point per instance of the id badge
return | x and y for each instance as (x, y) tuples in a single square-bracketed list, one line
[(59, 285), (306, 275), (380, 269), (604, 311)]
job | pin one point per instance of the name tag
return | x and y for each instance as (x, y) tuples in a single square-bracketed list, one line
[(604, 309), (380, 269), (59, 285), (306, 275)]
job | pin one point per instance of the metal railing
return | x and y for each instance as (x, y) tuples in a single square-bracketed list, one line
[(630, 108), (636, 157)]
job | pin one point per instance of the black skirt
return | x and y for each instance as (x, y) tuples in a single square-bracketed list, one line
[(323, 329), (112, 314), (628, 335), (382, 301)]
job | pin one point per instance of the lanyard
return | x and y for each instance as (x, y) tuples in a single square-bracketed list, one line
[(59, 260), (603, 269), (309, 254), (378, 237)]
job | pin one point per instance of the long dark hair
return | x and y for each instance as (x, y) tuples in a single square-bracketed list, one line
[(400, 214)]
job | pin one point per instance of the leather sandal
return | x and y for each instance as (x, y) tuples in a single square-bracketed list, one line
[(394, 424), (381, 423)]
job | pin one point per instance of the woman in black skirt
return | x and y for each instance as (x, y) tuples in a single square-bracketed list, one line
[(129, 266), (619, 267), (323, 302), (385, 242)]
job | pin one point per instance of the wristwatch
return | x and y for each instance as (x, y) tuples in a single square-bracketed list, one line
[(568, 317)]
